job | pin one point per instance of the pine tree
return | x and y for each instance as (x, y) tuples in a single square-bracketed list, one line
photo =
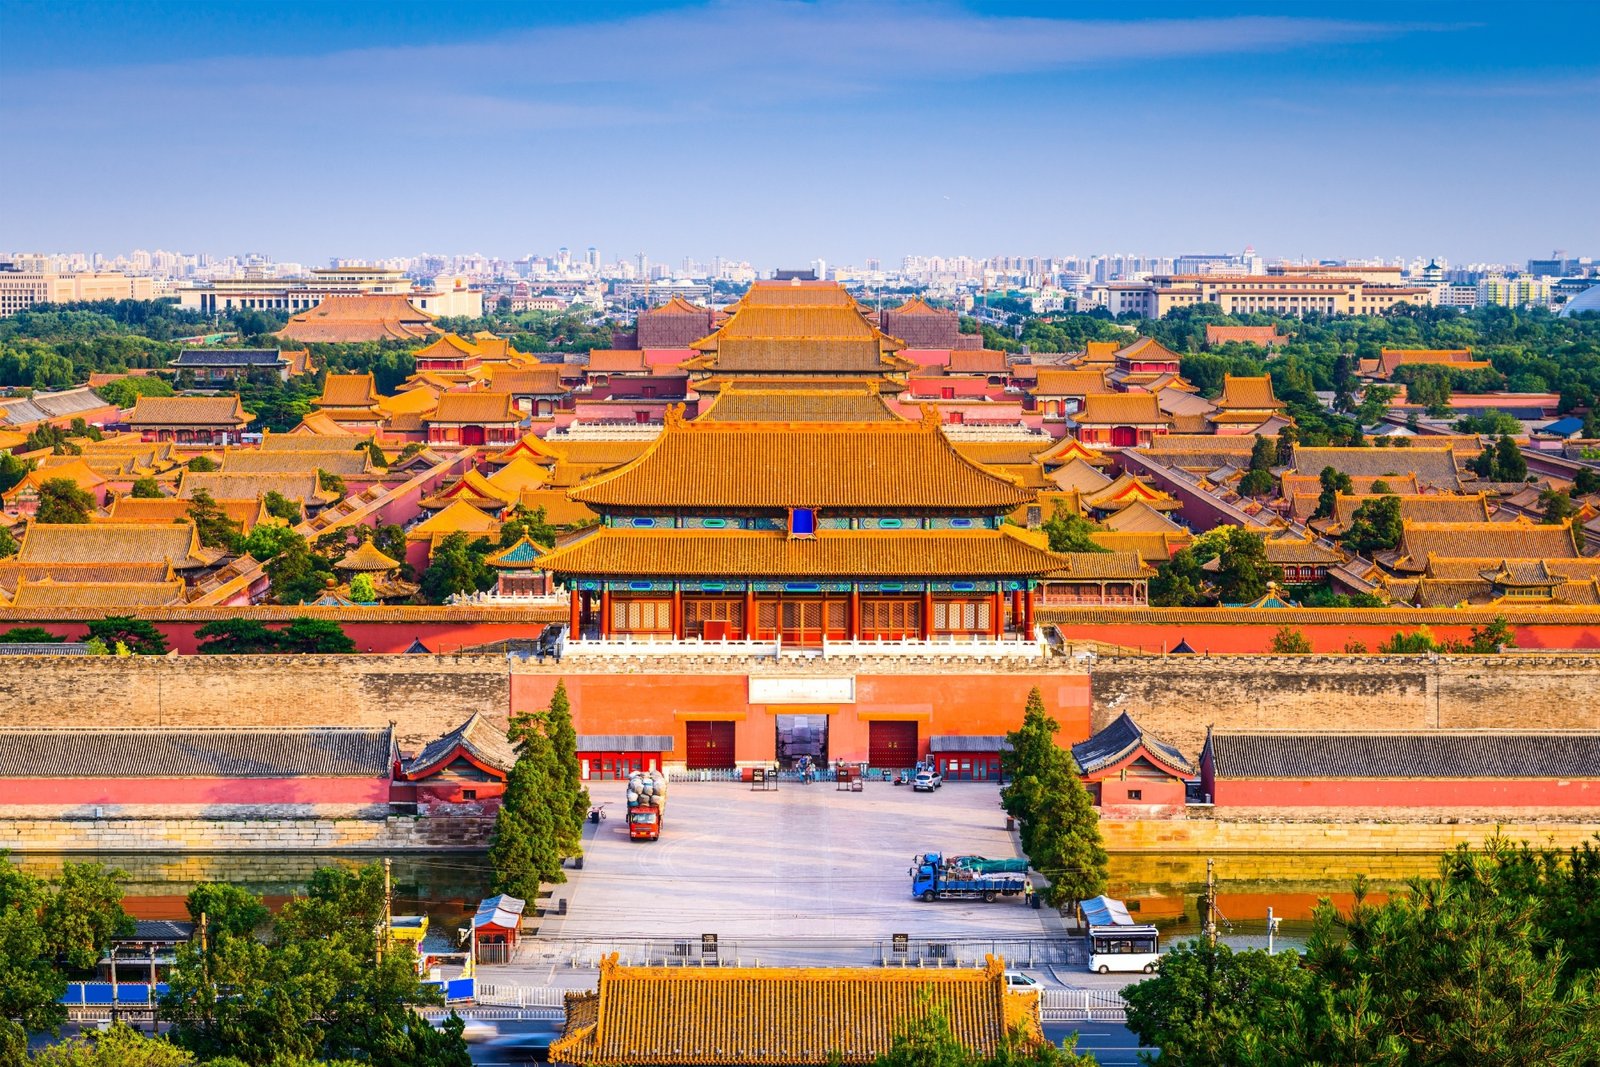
[(526, 848), (571, 799), (1060, 828)]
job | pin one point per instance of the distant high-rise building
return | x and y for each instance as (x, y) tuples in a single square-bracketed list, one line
[(592, 258)]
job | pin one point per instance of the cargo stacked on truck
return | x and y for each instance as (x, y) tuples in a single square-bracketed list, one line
[(647, 802), (937, 877)]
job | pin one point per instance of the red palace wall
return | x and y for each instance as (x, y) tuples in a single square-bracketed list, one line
[(66, 793), (1406, 793), (1224, 637), (939, 703)]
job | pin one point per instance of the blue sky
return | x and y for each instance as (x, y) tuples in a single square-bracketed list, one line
[(781, 131)]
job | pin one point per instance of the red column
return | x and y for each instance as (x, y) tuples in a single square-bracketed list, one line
[(1027, 614), (997, 615), (927, 613), (1016, 608), (574, 624), (855, 614), (677, 612), (605, 613), (749, 611)]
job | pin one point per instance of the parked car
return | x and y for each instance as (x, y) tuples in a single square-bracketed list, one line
[(1017, 982), (927, 781)]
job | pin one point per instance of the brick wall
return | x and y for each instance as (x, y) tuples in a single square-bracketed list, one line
[(1176, 697)]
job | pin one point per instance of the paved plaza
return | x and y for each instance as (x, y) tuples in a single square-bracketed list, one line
[(775, 871)]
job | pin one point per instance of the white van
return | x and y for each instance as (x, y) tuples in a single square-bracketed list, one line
[(1124, 948)]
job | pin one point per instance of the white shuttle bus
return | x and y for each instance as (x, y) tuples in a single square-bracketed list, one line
[(1124, 948), (1116, 942)]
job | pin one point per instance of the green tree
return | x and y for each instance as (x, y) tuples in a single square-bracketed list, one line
[(227, 908), (571, 799), (1289, 642), (139, 635), (1209, 1006), (1501, 462), (8, 544), (1557, 507), (1586, 481), (120, 1046), (522, 522), (330, 482), (211, 523), (1375, 404), (363, 590), (322, 636), (375, 454), (1263, 454), (12, 470), (202, 464), (30, 635), (268, 540), (30, 985), (1069, 532), (1493, 637), (1257, 483), (1060, 828), (1332, 483), (525, 850), (1376, 525), (1417, 643), (1243, 570), (281, 507), (458, 567), (125, 392), (236, 637), (62, 500), (85, 913), (1179, 583), (146, 488), (925, 1038), (296, 574)]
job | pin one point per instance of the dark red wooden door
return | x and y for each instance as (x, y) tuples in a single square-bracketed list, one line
[(892, 744), (710, 745)]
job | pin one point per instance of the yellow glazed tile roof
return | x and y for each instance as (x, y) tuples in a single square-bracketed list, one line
[(1121, 409), (475, 407), (729, 1015), (820, 465), (48, 593), (832, 553), (1251, 394), (348, 391), (106, 542), (189, 411)]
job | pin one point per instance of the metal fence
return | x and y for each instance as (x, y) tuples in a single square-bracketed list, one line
[(1070, 1005), (909, 952), (522, 996)]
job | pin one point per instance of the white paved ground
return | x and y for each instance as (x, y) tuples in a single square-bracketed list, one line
[(802, 862)]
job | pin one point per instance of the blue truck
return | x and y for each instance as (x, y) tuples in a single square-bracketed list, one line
[(961, 878)]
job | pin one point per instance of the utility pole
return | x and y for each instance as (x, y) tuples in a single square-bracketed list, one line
[(1272, 928), (388, 908), (1211, 902)]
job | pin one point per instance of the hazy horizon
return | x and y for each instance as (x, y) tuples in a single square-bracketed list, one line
[(781, 132)]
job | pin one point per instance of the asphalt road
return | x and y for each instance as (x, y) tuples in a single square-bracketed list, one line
[(1113, 1044)]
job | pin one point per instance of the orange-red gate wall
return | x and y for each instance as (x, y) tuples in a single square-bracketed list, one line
[(940, 705)]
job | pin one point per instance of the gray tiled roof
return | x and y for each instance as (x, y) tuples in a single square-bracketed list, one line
[(228, 357), (969, 743), (1445, 754), (625, 743), (1121, 738), (487, 744), (307, 752)]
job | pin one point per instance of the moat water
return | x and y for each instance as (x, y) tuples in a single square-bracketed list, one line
[(1165, 889)]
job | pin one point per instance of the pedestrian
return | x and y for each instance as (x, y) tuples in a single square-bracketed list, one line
[(1027, 894)]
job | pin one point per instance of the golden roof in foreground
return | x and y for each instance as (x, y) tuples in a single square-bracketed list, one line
[(907, 465), (782, 1015), (830, 554)]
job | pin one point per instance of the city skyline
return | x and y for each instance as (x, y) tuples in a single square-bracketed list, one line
[(788, 131)]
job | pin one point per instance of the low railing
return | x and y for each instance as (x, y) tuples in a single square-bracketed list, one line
[(1066, 1005), (978, 645), (633, 645), (522, 996)]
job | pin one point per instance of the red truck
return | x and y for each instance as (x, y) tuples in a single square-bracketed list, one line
[(647, 801)]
